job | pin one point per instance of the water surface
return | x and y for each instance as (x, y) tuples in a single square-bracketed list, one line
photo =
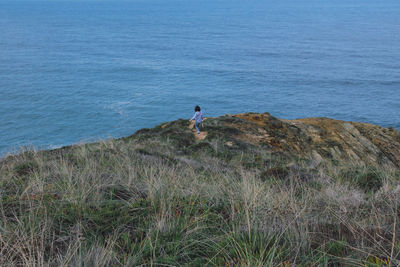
[(74, 71)]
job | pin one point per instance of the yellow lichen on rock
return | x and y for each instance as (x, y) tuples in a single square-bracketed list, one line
[(329, 138)]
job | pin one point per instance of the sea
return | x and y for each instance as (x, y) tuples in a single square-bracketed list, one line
[(81, 71)]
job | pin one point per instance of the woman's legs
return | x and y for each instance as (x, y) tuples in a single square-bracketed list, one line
[(196, 124)]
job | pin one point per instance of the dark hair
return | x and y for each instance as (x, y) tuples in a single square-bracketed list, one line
[(197, 108)]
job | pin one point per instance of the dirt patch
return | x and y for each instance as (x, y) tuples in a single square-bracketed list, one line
[(259, 119), (199, 137)]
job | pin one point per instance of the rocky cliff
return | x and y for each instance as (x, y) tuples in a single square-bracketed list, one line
[(322, 138)]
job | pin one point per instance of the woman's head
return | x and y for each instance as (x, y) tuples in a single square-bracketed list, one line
[(197, 108)]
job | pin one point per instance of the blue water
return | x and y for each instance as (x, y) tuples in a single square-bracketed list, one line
[(73, 71)]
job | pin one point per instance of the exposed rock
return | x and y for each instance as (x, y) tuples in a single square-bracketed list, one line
[(322, 138), (315, 139)]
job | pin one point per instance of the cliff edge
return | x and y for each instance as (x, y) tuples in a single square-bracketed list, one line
[(316, 139), (250, 190)]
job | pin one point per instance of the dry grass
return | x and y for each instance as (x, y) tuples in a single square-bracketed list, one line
[(126, 203)]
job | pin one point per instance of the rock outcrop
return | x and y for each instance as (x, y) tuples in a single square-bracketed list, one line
[(320, 138), (316, 139)]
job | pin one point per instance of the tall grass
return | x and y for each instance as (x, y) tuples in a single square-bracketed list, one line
[(129, 203)]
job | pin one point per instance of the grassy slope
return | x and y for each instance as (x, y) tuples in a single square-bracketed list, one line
[(160, 197)]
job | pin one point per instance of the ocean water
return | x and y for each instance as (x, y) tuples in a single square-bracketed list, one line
[(78, 71)]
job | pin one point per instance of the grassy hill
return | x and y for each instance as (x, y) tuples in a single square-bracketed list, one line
[(251, 190)]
